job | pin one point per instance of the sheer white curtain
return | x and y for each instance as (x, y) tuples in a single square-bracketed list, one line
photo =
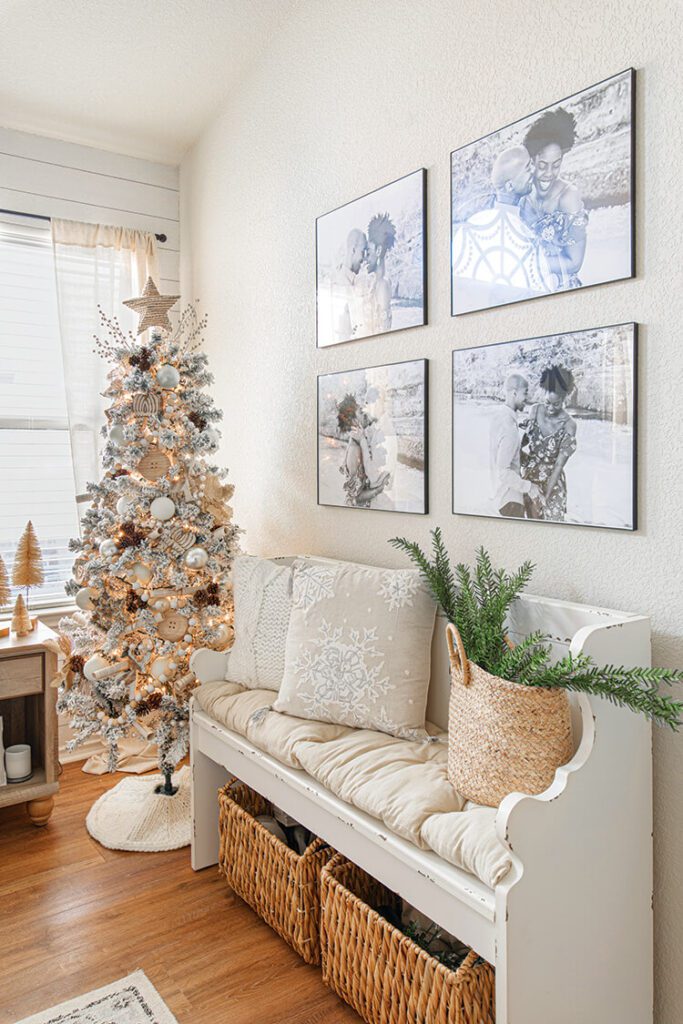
[(94, 265), (97, 265)]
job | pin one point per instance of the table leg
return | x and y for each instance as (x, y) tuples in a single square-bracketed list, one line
[(39, 811)]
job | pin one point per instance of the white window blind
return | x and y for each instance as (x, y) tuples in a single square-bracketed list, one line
[(36, 471)]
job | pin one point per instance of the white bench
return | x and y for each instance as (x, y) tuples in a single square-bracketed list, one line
[(569, 929)]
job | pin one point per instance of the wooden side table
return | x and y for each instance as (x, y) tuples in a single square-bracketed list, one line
[(27, 707)]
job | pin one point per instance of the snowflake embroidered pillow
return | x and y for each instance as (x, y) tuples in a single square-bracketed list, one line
[(262, 591), (358, 647)]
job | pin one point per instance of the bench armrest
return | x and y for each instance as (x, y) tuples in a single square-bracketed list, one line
[(209, 665)]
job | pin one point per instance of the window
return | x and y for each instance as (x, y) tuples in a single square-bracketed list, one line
[(36, 470)]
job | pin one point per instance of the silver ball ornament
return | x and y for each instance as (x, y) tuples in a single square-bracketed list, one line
[(168, 376), (108, 548), (196, 558)]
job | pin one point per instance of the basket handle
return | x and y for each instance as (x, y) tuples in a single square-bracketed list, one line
[(460, 665)]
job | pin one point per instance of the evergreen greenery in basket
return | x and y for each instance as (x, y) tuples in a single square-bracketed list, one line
[(477, 602)]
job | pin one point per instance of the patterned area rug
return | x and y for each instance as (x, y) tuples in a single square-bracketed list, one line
[(132, 1000)]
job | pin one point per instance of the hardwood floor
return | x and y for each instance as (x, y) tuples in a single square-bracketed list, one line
[(75, 916)]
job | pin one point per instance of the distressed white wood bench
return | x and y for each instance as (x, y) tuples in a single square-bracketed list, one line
[(569, 929)]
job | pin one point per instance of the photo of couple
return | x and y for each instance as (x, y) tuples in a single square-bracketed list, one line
[(370, 263), (545, 205), (372, 437), (544, 428)]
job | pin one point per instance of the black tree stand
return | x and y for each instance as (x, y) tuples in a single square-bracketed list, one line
[(165, 788)]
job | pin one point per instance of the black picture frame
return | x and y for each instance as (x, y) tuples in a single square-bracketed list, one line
[(466, 306), (381, 208), (629, 442), (335, 475)]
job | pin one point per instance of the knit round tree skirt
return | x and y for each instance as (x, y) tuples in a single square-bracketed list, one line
[(131, 816)]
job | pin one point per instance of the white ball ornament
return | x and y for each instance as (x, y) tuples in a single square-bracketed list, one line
[(196, 558), (84, 599), (222, 633), (161, 604), (116, 434), (160, 668), (94, 664), (162, 508), (168, 376), (124, 506), (108, 548), (140, 572)]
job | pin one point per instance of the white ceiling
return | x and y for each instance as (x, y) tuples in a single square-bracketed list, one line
[(135, 76)]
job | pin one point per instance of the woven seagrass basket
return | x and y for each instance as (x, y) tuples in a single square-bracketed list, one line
[(503, 737), (385, 976), (282, 886)]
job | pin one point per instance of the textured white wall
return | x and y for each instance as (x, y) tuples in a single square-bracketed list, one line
[(348, 97)]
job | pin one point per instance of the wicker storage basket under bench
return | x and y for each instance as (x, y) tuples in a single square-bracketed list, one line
[(282, 886), (385, 976)]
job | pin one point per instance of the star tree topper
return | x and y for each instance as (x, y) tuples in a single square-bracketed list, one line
[(152, 308)]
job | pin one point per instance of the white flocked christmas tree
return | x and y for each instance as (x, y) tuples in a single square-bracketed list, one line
[(151, 575)]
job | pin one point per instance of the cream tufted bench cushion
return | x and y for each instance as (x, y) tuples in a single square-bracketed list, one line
[(403, 783)]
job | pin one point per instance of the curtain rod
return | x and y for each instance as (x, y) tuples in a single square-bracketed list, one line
[(40, 216)]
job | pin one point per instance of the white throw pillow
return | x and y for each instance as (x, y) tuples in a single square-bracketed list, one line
[(358, 647), (262, 591)]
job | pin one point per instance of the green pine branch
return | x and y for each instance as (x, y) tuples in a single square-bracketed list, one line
[(478, 602)]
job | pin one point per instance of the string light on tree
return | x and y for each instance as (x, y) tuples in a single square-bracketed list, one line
[(158, 541)]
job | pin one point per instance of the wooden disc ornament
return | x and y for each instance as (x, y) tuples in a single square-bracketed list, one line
[(146, 404), (154, 465), (173, 626)]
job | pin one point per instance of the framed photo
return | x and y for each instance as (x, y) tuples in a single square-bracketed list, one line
[(372, 438), (547, 204), (371, 270), (545, 428)]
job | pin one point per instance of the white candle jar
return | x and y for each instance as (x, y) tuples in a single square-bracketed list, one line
[(18, 762)]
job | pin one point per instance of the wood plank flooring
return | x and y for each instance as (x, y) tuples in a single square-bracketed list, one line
[(75, 916)]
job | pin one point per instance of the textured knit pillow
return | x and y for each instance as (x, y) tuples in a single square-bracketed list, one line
[(262, 591), (358, 647)]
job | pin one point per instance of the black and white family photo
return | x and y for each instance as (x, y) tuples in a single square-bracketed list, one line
[(545, 204), (372, 437), (370, 263), (545, 428)]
